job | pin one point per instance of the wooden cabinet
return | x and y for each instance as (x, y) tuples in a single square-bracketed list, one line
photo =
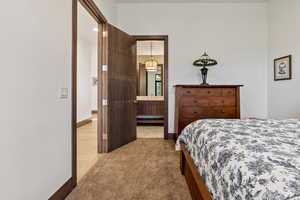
[(150, 112), (194, 102)]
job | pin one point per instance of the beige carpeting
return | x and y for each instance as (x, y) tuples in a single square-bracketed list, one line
[(147, 169), (150, 131)]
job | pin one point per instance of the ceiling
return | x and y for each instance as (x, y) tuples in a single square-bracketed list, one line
[(144, 48), (189, 1)]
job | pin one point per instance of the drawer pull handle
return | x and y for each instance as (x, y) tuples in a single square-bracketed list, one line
[(188, 92), (195, 112), (195, 101), (208, 92)]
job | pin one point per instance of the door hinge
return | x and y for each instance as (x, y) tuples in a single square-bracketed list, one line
[(104, 68), (104, 102)]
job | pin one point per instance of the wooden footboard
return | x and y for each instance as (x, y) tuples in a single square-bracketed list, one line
[(194, 181)]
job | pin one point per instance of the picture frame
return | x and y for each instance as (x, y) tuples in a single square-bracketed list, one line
[(283, 68)]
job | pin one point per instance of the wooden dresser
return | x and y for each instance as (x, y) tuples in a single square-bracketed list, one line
[(194, 102)]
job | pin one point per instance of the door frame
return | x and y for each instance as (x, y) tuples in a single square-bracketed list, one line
[(164, 38), (94, 11)]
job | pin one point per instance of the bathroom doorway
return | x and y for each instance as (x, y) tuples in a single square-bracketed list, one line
[(152, 87)]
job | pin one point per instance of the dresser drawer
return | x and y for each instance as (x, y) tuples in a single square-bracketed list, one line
[(195, 112), (192, 112), (202, 92), (194, 101), (207, 102), (228, 92), (225, 112), (221, 101)]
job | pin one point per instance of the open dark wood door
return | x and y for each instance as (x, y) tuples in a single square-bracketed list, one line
[(121, 88)]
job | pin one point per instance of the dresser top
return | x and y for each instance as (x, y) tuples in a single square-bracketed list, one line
[(209, 86)]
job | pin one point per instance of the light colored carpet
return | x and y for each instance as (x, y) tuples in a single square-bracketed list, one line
[(150, 131), (147, 169)]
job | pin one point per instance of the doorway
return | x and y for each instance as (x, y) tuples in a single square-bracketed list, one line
[(87, 54), (87, 90), (152, 87), (116, 83)]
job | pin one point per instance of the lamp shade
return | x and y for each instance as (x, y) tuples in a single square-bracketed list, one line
[(152, 64), (205, 61)]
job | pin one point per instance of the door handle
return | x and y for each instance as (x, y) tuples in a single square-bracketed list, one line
[(135, 101)]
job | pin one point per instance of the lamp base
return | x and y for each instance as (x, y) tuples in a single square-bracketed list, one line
[(204, 71)]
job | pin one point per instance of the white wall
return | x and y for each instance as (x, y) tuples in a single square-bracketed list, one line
[(84, 80), (35, 143), (87, 64), (234, 33), (284, 32), (109, 10), (35, 138), (94, 73)]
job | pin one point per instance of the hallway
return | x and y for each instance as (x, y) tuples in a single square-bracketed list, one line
[(144, 169), (87, 154)]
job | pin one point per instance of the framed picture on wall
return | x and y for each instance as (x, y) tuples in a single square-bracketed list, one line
[(283, 68)]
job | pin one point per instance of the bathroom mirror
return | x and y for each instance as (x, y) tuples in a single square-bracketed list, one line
[(150, 68)]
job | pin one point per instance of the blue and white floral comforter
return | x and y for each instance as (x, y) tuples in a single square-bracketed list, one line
[(246, 159)]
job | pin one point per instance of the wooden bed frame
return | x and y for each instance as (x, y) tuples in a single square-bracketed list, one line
[(194, 180)]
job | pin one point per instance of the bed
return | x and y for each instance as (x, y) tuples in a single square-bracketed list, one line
[(241, 159)]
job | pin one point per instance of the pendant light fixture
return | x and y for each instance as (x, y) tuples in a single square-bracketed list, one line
[(151, 65)]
